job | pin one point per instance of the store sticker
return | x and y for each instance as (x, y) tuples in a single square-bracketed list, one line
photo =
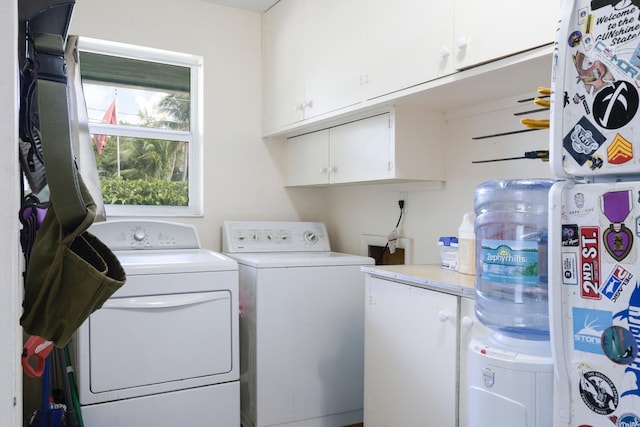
[(588, 326)]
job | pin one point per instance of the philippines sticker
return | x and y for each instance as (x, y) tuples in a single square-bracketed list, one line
[(588, 326), (598, 392), (590, 263)]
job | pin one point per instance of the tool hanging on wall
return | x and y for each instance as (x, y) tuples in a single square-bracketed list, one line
[(530, 125), (537, 154)]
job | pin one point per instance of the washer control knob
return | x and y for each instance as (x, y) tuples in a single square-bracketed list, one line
[(310, 237), (139, 235)]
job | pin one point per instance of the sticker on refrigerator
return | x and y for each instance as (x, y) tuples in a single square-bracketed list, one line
[(510, 262), (617, 238), (598, 392), (628, 420), (632, 316), (588, 326), (569, 235), (613, 286), (583, 141), (619, 345), (569, 268), (590, 262)]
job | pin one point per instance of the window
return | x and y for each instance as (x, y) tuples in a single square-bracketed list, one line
[(145, 120)]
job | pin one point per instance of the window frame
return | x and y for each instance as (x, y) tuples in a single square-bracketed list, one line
[(194, 137)]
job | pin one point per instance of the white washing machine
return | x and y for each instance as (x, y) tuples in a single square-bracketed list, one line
[(301, 325), (163, 351)]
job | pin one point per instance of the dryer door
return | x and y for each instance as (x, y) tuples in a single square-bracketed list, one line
[(148, 342)]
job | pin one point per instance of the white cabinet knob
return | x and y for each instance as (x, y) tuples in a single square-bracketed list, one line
[(308, 104), (299, 107), (467, 322), (443, 316), (462, 43), (444, 52)]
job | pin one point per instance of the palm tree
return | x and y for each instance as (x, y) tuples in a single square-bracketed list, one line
[(149, 159)]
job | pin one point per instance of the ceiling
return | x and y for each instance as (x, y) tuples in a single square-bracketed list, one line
[(251, 5)]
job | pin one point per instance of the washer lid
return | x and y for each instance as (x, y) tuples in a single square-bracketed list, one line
[(298, 259), (139, 262)]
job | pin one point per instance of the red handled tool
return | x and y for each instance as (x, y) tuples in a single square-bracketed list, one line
[(35, 352)]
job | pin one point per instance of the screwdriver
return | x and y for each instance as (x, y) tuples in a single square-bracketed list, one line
[(538, 154)]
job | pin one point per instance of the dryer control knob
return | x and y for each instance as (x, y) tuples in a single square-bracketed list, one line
[(139, 235)]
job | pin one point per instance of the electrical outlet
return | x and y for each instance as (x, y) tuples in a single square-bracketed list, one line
[(403, 195)]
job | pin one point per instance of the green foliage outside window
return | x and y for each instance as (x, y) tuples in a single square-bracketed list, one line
[(154, 192)]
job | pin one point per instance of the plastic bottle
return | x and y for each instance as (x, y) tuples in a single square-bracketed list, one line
[(511, 257), (467, 244)]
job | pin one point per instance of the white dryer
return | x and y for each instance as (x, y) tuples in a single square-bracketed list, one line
[(301, 325), (163, 350)]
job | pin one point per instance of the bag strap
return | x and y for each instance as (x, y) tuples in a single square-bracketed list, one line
[(60, 166)]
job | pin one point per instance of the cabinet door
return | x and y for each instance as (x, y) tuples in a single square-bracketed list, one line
[(484, 31), (470, 328), (408, 42), (307, 159), (333, 46), (360, 151), (410, 356), (283, 61)]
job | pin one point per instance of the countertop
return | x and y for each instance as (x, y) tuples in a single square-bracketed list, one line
[(430, 276)]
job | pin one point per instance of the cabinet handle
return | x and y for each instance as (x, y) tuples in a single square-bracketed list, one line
[(299, 107), (307, 104), (462, 43), (467, 322), (444, 52), (443, 316)]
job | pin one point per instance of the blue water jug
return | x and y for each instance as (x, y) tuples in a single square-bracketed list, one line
[(511, 257)]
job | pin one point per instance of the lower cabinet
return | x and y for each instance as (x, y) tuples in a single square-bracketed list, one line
[(415, 355)]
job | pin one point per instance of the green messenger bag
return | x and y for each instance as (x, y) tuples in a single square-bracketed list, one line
[(70, 272)]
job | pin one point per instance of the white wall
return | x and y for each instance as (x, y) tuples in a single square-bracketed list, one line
[(10, 283), (243, 176)]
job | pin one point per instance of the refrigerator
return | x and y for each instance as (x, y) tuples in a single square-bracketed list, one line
[(594, 215)]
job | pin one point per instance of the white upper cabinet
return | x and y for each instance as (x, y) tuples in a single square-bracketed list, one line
[(283, 71), (487, 31), (361, 151), (333, 55), (327, 58), (312, 59), (404, 144), (408, 42)]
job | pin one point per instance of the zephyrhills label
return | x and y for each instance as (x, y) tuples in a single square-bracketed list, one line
[(510, 262)]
